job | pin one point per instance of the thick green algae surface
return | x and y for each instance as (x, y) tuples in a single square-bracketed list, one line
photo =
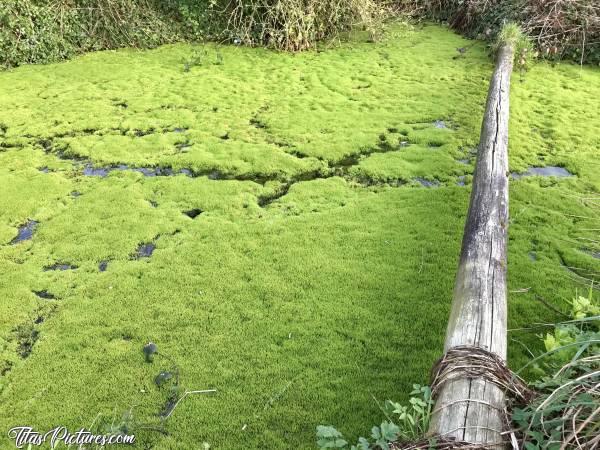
[(333, 188)]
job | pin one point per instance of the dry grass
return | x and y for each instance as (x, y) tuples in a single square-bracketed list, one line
[(294, 25)]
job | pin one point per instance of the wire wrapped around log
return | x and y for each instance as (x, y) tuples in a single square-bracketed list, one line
[(471, 362), (438, 443)]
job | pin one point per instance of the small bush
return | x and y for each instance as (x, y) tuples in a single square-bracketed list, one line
[(43, 31), (560, 28), (564, 28), (299, 24), (564, 413)]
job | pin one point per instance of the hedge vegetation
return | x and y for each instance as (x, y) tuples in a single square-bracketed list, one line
[(40, 31)]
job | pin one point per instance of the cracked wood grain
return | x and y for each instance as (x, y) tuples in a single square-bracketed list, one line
[(472, 409)]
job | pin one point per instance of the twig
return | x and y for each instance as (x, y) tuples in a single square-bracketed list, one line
[(186, 393)]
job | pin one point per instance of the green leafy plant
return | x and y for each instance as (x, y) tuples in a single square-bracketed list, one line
[(44, 31), (194, 60), (564, 412), (414, 418), (329, 437), (405, 423), (199, 57)]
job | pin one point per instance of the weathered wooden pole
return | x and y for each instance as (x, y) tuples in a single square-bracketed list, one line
[(472, 409)]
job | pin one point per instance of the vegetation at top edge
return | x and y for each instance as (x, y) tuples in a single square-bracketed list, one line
[(559, 29), (511, 34), (39, 31)]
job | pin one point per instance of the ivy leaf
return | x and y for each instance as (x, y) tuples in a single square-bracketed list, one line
[(375, 433), (363, 444), (327, 432), (389, 431)]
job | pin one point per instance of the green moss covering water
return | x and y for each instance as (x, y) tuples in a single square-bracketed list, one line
[(318, 275)]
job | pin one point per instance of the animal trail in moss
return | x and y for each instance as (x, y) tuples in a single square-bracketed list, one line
[(257, 219)]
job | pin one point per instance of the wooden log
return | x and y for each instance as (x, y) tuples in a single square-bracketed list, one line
[(472, 409)]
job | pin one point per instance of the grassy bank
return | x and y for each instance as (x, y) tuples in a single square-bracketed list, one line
[(318, 274)]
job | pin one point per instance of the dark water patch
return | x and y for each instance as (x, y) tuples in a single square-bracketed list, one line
[(257, 123), (593, 253), (75, 194), (310, 176), (103, 266), (427, 183), (141, 133), (225, 137), (44, 169), (150, 171), (60, 266), (254, 177), (346, 162), (25, 232), (67, 157), (547, 171), (193, 213), (6, 145), (5, 367), (45, 295), (46, 144), (383, 145), (179, 130), (342, 166), (282, 144), (39, 319), (91, 171), (26, 336), (267, 199), (75, 133), (183, 146), (370, 182), (145, 250), (294, 152), (532, 256)]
